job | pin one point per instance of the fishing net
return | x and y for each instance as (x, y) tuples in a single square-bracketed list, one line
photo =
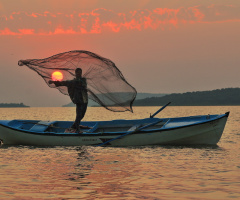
[(105, 83)]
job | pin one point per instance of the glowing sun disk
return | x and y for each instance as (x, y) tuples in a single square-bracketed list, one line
[(57, 76)]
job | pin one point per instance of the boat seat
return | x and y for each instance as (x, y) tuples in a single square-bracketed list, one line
[(14, 123), (134, 127), (94, 128), (165, 124), (42, 126)]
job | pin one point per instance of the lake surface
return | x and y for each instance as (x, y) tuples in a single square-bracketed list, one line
[(158, 172)]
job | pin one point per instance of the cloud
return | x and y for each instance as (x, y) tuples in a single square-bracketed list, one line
[(102, 20)]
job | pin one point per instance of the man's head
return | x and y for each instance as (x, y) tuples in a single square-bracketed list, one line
[(78, 72)]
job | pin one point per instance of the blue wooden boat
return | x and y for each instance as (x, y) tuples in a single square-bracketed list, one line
[(191, 130)]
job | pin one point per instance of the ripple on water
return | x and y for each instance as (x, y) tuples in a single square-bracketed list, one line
[(158, 172)]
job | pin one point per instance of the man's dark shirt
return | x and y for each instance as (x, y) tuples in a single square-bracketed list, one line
[(77, 89)]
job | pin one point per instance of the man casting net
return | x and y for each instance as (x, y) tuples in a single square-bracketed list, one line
[(105, 83)]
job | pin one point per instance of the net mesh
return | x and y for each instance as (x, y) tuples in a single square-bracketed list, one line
[(105, 83)]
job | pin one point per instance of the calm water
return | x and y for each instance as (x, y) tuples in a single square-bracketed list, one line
[(159, 172)]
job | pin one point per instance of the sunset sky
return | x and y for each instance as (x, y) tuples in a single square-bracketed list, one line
[(161, 46)]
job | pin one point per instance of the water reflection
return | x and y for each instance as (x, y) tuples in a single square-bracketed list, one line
[(97, 172), (150, 172), (82, 167)]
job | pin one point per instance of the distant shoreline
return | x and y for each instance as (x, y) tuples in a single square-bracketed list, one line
[(219, 97), (13, 105)]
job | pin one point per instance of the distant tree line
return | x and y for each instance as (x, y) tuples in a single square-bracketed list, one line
[(12, 105), (220, 97)]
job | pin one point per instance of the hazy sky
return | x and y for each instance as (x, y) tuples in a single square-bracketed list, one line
[(161, 46)]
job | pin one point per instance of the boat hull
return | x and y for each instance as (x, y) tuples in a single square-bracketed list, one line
[(208, 132)]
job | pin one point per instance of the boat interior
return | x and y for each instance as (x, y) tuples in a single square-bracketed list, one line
[(114, 126)]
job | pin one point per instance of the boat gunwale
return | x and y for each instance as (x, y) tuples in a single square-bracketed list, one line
[(116, 133)]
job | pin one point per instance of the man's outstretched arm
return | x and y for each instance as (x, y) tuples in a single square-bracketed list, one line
[(59, 83)]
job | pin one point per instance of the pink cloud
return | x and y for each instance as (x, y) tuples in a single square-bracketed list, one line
[(26, 31), (101, 20), (7, 31)]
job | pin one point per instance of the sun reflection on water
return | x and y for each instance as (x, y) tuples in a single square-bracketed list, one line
[(156, 172)]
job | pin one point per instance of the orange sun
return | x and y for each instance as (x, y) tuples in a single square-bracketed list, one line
[(57, 76)]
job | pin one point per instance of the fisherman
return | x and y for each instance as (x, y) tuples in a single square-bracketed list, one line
[(77, 90)]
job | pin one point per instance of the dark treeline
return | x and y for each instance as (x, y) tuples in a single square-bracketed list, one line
[(220, 97), (12, 105)]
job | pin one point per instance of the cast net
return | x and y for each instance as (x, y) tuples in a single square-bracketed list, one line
[(105, 83)]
